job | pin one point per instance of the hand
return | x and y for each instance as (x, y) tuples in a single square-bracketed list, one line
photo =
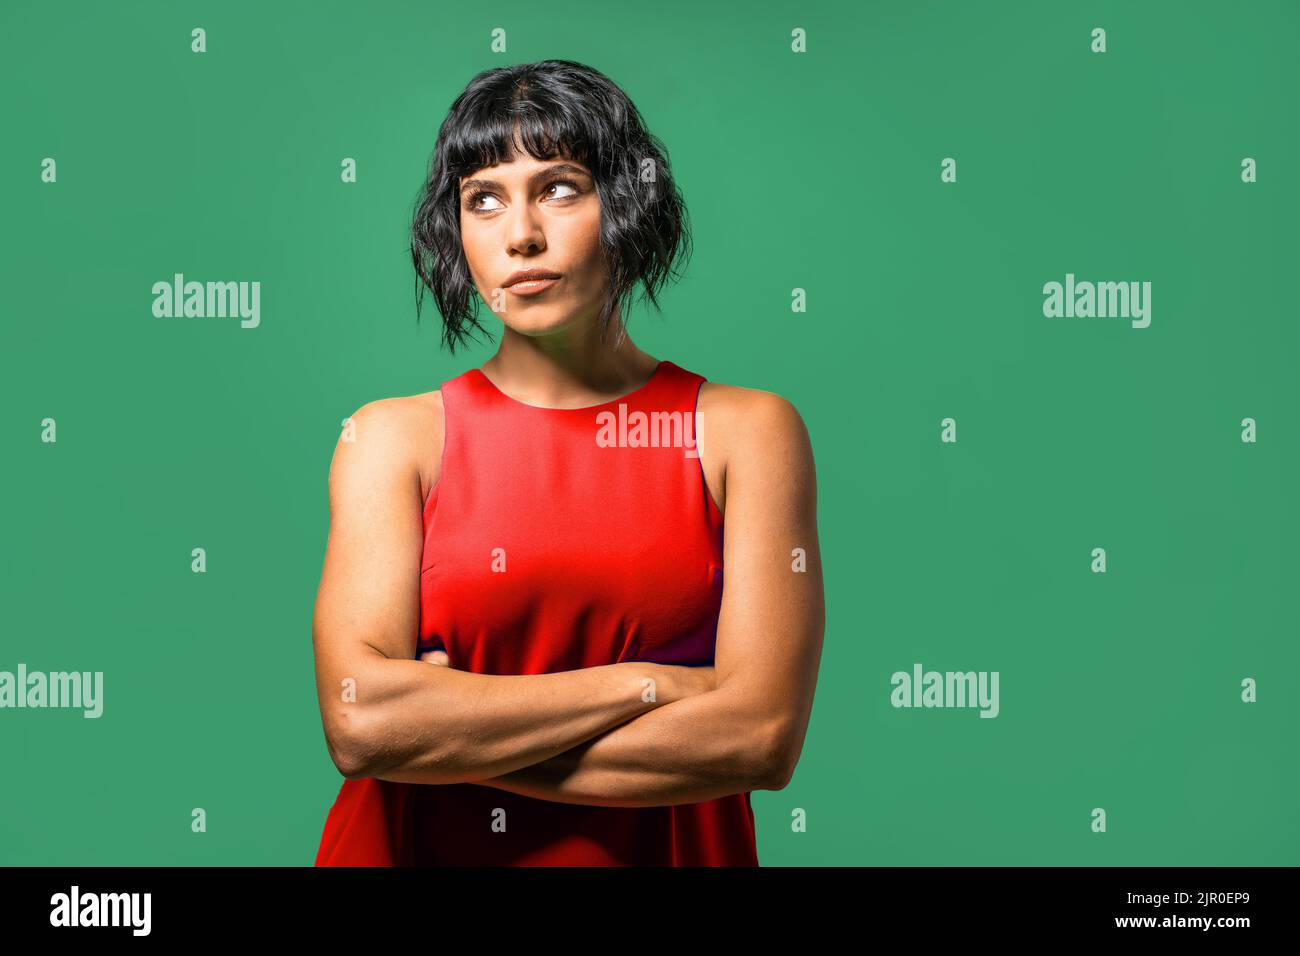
[(436, 656)]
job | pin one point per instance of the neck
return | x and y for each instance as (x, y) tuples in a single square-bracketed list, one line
[(573, 371)]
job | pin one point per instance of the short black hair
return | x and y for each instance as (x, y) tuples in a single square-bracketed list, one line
[(551, 108)]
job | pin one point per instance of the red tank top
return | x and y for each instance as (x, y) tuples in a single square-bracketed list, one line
[(612, 549)]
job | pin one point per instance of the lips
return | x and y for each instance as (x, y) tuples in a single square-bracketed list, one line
[(530, 275)]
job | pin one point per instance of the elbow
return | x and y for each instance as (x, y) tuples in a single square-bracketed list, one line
[(778, 754), (350, 748), (364, 748), (353, 768)]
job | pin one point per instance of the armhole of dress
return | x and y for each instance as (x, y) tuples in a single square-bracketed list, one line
[(710, 504), (442, 453)]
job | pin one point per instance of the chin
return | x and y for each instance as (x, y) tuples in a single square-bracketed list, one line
[(528, 321)]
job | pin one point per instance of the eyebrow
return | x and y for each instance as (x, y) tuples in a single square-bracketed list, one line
[(540, 174)]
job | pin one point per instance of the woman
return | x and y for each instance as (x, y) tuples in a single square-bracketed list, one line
[(525, 652)]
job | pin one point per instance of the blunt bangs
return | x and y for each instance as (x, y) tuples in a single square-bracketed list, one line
[(550, 109)]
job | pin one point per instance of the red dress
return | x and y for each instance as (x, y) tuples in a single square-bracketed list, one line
[(613, 552)]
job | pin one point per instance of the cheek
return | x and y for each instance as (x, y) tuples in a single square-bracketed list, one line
[(470, 241), (583, 241)]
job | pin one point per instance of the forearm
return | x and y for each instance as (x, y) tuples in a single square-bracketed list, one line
[(706, 746), (414, 723)]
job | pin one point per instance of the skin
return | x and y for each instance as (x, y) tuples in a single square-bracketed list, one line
[(628, 734)]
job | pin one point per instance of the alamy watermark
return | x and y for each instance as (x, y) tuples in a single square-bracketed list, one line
[(1102, 300), (946, 689), (102, 909), (83, 690), (640, 429), (211, 300)]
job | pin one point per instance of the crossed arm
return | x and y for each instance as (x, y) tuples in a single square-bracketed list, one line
[(627, 734)]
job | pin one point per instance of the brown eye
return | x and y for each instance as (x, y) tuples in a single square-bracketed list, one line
[(565, 182), (472, 202)]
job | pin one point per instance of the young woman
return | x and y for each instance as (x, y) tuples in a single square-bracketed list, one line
[(527, 651)]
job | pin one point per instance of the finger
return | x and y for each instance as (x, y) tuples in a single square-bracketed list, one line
[(435, 657)]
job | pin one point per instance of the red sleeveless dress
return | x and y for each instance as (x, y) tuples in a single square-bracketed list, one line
[(613, 552)]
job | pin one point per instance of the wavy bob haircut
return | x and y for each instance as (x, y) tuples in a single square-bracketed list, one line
[(550, 108)]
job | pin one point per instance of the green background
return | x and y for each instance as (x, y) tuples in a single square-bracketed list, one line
[(817, 171)]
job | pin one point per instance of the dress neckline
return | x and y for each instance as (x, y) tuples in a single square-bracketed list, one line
[(654, 376)]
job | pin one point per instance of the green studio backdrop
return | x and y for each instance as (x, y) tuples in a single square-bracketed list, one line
[(826, 169)]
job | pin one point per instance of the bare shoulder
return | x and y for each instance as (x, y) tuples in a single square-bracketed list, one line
[(739, 417), (749, 431), (736, 405), (399, 435)]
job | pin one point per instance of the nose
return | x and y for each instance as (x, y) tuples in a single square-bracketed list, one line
[(524, 233)]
